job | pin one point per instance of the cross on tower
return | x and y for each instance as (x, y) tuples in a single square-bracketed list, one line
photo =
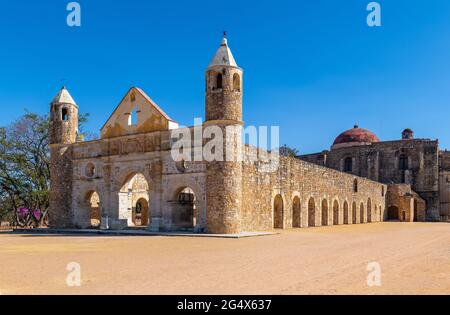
[(64, 82)]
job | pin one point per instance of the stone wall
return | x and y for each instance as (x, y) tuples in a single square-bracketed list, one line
[(405, 204), (61, 170), (444, 185), (380, 162), (117, 160), (317, 188)]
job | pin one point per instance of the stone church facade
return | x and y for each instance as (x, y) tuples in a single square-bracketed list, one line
[(416, 164), (129, 178)]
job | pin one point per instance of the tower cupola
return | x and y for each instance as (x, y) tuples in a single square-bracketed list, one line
[(224, 86), (63, 118)]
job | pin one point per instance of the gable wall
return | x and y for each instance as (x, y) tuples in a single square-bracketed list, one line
[(149, 119)]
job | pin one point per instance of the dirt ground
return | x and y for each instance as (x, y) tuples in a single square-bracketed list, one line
[(414, 259)]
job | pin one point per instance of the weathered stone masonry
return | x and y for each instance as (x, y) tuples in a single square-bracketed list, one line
[(309, 184), (128, 178)]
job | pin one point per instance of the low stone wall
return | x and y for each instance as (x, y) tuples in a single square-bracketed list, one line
[(403, 204), (326, 196)]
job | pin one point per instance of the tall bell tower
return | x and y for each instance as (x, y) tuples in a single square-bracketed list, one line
[(63, 133), (224, 110)]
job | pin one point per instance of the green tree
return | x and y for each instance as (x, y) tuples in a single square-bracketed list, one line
[(25, 170), (288, 151)]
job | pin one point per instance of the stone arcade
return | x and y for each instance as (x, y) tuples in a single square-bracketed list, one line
[(128, 178)]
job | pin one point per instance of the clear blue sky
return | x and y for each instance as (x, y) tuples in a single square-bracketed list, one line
[(313, 67)]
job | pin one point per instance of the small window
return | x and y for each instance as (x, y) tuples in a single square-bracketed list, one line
[(382, 191), (219, 79), (403, 162), (355, 186), (132, 118), (236, 82), (64, 114), (348, 165)]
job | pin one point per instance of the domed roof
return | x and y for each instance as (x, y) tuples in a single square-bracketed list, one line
[(223, 56), (355, 136), (63, 97)]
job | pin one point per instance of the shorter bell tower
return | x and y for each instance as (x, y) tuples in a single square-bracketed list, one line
[(63, 133)]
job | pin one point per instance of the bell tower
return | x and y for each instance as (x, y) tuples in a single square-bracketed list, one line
[(224, 87), (63, 133), (63, 118), (224, 110)]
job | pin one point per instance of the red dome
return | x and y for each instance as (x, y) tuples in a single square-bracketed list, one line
[(356, 135)]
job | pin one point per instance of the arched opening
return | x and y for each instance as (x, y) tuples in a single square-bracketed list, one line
[(93, 202), (393, 213), (324, 212), (296, 213), (346, 213), (336, 213), (362, 217), (278, 212), (369, 211), (348, 165), (311, 212), (236, 82), (355, 186), (132, 194), (354, 213), (65, 114), (184, 212), (141, 216), (219, 81)]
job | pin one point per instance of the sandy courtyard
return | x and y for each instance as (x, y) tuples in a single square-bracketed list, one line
[(414, 259)]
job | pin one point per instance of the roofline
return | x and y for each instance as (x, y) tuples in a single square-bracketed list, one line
[(146, 97)]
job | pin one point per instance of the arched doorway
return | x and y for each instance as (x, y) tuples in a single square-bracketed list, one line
[(346, 213), (393, 213), (93, 202), (296, 213), (184, 211), (141, 215), (354, 213), (278, 212), (361, 213), (131, 195), (369, 211), (336, 213), (311, 212), (324, 212)]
